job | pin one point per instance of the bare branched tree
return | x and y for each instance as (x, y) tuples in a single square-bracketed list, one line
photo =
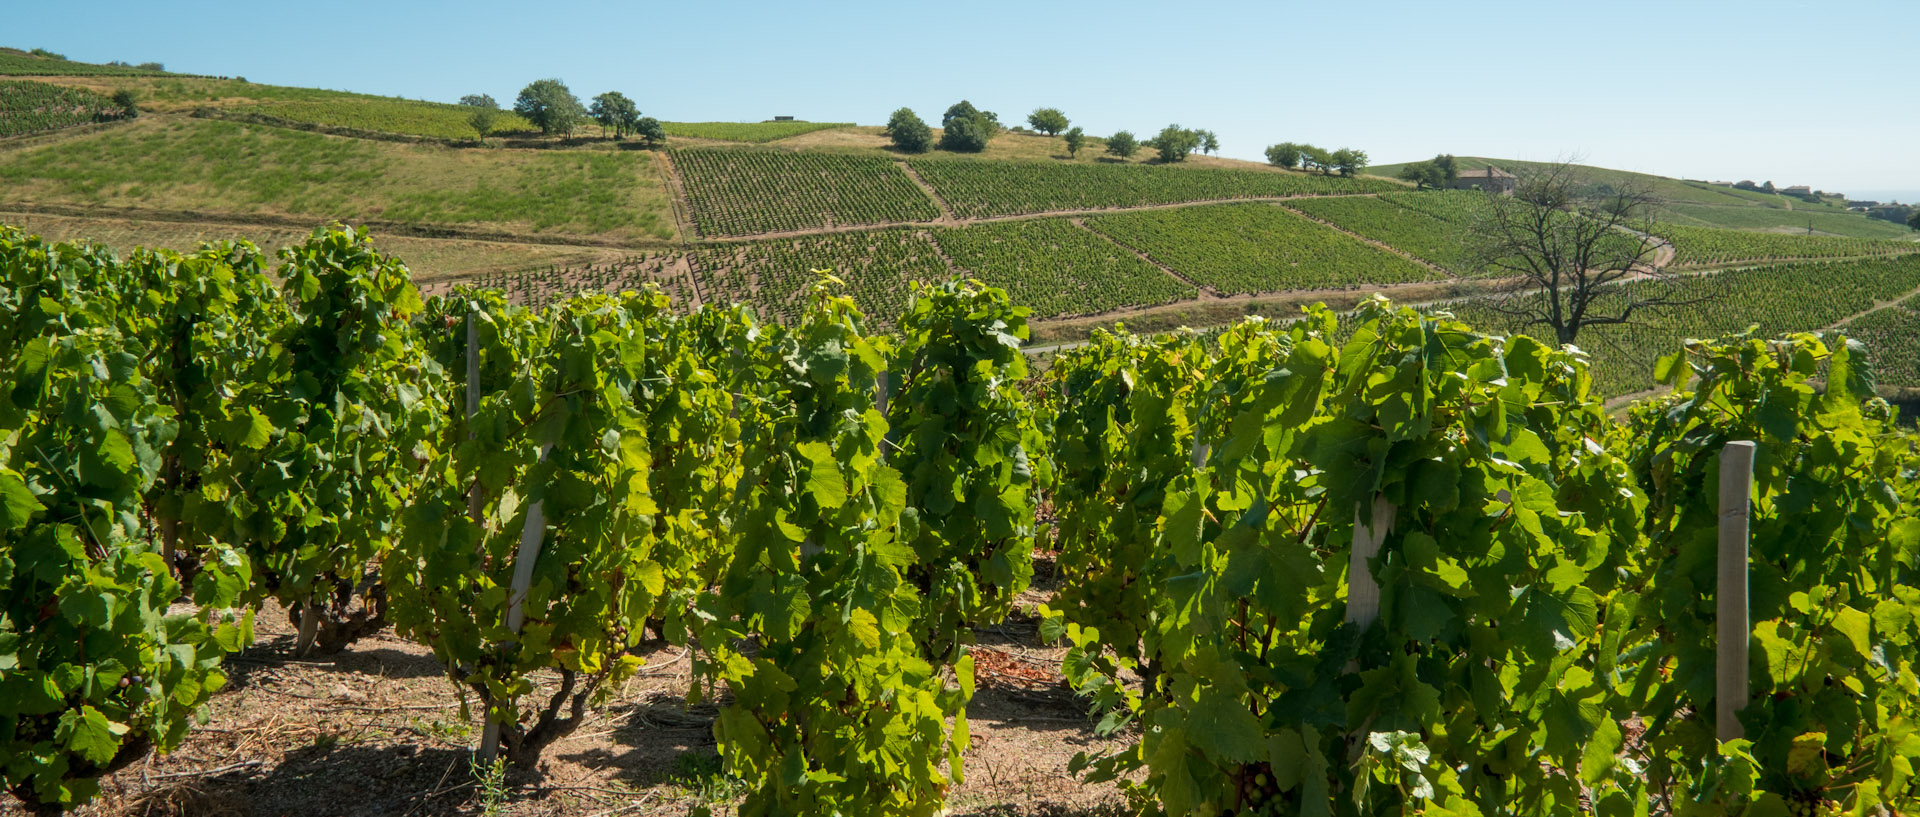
[(1572, 242)]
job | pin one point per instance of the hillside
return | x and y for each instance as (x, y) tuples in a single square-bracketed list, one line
[(744, 211)]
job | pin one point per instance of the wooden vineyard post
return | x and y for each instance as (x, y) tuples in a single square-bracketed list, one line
[(473, 403), (532, 534), (1369, 532), (1733, 629)]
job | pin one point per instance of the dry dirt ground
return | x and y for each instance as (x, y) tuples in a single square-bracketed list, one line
[(378, 730)]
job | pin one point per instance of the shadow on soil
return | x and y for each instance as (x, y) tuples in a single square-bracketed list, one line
[(328, 780)]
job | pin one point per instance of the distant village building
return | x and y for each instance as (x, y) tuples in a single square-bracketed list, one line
[(1493, 180), (1800, 190)]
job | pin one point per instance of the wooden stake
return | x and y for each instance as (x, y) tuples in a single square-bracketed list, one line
[(532, 534), (1731, 617), (1363, 593)]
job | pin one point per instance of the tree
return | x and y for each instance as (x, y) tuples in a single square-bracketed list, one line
[(1122, 144), (1349, 161), (1175, 143), (1209, 142), (483, 120), (1313, 158), (125, 101), (1049, 121), (967, 129), (650, 131), (1570, 240), (613, 110), (550, 106), (1285, 154), (1913, 220), (1438, 172), (479, 101), (908, 132), (151, 66), (1075, 138)]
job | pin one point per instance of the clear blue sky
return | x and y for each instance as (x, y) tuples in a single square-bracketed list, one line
[(1819, 93)]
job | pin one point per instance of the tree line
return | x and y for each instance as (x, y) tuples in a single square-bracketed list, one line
[(1296, 156), (553, 108), (967, 129)]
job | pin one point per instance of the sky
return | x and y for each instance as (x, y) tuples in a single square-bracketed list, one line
[(1816, 93)]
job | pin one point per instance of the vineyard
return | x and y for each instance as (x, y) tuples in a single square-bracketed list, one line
[(1372, 564), (543, 287), (748, 192), (1705, 246), (981, 189), (747, 131), (1256, 247), (776, 275), (1460, 207), (1775, 300), (18, 64), (406, 117), (36, 107), (1058, 269), (1416, 232), (1890, 333)]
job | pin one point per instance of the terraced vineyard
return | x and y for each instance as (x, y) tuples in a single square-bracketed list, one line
[(1059, 269), (406, 117), (750, 192), (1704, 246), (1255, 247), (773, 275), (1779, 299), (1893, 336), (1456, 206), (746, 131), (977, 189), (1416, 232), (541, 287), (36, 107)]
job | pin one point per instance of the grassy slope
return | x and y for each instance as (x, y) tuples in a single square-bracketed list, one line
[(214, 167)]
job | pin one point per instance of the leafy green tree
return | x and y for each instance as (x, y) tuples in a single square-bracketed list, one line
[(483, 120), (966, 129), (151, 66), (1315, 158), (1209, 142), (1349, 161), (909, 133), (1075, 139), (1438, 172), (1285, 154), (1122, 144), (650, 131), (550, 106), (1049, 121), (1913, 220), (613, 110), (479, 101), (125, 100), (1175, 143)]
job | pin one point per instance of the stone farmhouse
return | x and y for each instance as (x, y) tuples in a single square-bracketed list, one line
[(1492, 179)]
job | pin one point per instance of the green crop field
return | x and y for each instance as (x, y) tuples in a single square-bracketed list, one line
[(978, 189), (1460, 207), (18, 63), (1706, 246), (1853, 225), (1059, 269), (1416, 232), (1893, 336), (541, 287), (1777, 299), (747, 131), (400, 116), (1256, 247), (748, 192), (36, 107), (235, 170), (878, 267)]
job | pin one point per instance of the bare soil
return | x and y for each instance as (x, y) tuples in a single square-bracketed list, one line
[(380, 730)]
